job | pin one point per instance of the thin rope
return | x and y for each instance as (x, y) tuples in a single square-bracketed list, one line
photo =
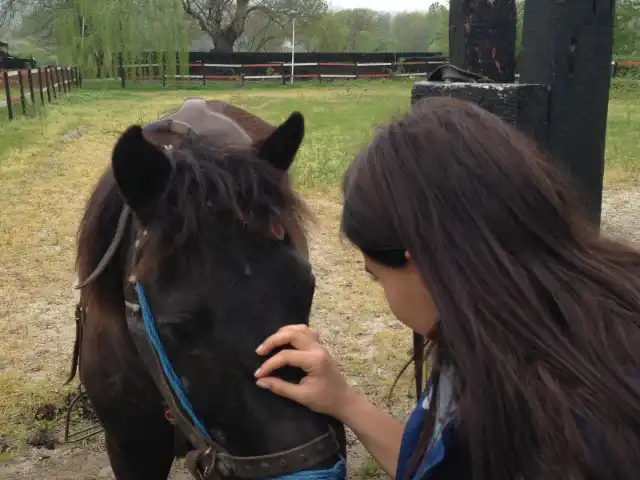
[(167, 368)]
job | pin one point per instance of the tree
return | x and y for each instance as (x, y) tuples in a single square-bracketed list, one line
[(93, 34), (226, 20)]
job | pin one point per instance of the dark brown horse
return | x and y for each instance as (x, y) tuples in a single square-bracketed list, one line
[(194, 237)]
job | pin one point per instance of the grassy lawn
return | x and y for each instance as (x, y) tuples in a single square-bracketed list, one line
[(49, 162)]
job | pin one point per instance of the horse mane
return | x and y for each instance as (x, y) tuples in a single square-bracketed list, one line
[(212, 195)]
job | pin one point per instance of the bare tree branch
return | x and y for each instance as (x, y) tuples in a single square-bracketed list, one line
[(225, 20)]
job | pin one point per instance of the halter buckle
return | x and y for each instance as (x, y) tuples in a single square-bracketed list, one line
[(195, 465)]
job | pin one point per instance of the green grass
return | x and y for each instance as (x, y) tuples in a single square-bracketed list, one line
[(622, 156), (50, 160)]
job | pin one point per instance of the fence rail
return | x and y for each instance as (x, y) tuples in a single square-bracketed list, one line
[(621, 66), (202, 72), (52, 81)]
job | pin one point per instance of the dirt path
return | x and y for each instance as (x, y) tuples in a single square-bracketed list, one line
[(370, 331)]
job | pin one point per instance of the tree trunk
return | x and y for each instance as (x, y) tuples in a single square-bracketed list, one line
[(223, 43)]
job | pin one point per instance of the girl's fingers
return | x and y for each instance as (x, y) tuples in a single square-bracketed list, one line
[(302, 328), (297, 338), (282, 388), (287, 358)]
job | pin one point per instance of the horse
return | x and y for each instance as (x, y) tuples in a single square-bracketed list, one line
[(191, 251)]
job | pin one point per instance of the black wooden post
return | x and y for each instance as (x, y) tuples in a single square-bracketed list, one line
[(164, 70), (79, 78), (121, 71), (7, 92), (482, 37), (567, 46), (63, 79), (40, 86), (23, 103), (56, 81), (31, 91), (49, 85)]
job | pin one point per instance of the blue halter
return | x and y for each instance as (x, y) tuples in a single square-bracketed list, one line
[(167, 368), (337, 472)]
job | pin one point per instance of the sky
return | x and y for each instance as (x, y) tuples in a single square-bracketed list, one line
[(384, 5)]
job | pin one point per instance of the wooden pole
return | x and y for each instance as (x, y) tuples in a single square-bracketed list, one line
[(31, 91), (40, 86), (56, 81), (7, 92), (49, 85), (23, 102), (121, 71), (482, 37), (568, 47)]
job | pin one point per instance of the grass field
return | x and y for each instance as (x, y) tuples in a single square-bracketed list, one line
[(50, 162)]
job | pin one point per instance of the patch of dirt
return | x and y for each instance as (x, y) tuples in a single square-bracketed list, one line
[(75, 133), (621, 213)]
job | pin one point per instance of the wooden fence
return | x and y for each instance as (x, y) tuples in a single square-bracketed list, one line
[(277, 72), (22, 86), (623, 66)]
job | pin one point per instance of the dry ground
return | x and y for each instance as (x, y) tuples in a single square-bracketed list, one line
[(50, 164)]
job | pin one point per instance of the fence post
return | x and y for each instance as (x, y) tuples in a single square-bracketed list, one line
[(123, 82), (56, 81), (31, 92), (46, 81), (79, 78), (284, 78), (164, 70), (40, 86), (62, 81), (567, 46), (486, 44), (355, 69), (7, 91), (23, 103)]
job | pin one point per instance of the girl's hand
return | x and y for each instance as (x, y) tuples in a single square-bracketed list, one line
[(324, 389)]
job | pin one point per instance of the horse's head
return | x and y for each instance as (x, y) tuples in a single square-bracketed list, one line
[(217, 252)]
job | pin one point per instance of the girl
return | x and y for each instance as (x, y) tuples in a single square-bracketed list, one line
[(534, 319)]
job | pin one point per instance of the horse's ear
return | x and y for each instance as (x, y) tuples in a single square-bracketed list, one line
[(280, 148), (141, 171)]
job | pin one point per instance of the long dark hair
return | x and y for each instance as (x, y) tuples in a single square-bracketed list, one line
[(540, 315)]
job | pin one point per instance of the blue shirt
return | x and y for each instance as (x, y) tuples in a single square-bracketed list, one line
[(441, 441), (444, 459)]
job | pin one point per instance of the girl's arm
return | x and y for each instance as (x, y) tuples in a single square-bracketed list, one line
[(379, 432)]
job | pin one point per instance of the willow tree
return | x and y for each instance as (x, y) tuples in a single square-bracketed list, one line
[(92, 34)]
